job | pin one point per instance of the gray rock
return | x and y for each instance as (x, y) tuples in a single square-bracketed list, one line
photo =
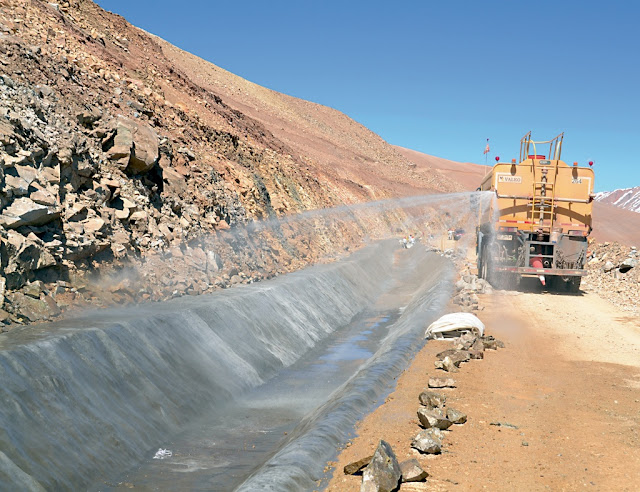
[(15, 185), (431, 399), (491, 343), (35, 309), (627, 265), (23, 256), (433, 417), (33, 289), (441, 383), (383, 473), (457, 356), (608, 266), (477, 346), (428, 441), (476, 354), (25, 211), (446, 365), (412, 471), (456, 416)]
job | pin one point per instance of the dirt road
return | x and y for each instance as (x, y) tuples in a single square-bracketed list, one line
[(568, 379)]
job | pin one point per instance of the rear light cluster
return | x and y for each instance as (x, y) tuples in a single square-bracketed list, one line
[(508, 229), (577, 233)]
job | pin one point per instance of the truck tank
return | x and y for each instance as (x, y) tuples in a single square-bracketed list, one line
[(539, 223)]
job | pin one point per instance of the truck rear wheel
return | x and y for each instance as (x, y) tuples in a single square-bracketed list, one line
[(573, 284)]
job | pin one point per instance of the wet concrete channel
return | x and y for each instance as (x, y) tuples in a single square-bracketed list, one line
[(251, 388)]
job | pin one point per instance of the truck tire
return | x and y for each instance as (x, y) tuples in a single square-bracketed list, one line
[(573, 284)]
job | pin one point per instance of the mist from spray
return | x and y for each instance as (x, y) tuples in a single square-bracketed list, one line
[(104, 389), (258, 250)]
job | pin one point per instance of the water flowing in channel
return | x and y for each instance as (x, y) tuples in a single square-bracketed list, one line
[(286, 365)]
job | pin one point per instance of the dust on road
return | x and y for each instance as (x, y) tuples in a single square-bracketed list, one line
[(569, 380)]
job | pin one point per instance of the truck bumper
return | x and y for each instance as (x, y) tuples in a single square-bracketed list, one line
[(541, 271)]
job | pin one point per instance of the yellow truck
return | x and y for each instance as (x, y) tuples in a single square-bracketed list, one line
[(539, 221)]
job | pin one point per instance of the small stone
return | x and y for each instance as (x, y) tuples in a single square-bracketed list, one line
[(456, 416), (431, 399), (428, 441), (476, 354), (356, 466), (412, 471), (433, 418), (448, 365), (491, 343), (441, 383)]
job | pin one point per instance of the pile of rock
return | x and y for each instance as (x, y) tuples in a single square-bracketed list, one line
[(381, 471), (467, 290), (613, 274)]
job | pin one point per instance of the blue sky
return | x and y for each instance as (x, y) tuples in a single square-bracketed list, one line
[(438, 77)]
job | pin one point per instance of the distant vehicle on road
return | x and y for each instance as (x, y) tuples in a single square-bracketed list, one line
[(457, 234)]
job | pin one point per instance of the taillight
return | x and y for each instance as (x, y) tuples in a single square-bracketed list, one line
[(577, 233), (508, 229)]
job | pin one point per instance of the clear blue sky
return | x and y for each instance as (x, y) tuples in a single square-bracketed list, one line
[(438, 77)]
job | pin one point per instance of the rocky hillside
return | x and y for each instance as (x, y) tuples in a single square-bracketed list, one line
[(613, 274), (628, 198), (131, 170)]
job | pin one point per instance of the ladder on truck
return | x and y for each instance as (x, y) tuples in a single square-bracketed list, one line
[(545, 172)]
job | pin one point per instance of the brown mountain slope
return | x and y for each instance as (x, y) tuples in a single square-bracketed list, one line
[(122, 154), (466, 174), (338, 150)]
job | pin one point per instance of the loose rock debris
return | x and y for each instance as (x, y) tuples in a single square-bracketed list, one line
[(379, 471)]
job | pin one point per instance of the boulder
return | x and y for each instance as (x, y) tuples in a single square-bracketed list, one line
[(25, 211), (428, 441), (383, 472), (91, 226), (433, 417), (412, 471), (456, 416), (431, 399), (33, 289), (23, 256), (608, 266), (627, 265), (15, 185), (135, 146), (34, 309), (44, 197)]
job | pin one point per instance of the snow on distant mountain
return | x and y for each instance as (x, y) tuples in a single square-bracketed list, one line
[(628, 198)]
